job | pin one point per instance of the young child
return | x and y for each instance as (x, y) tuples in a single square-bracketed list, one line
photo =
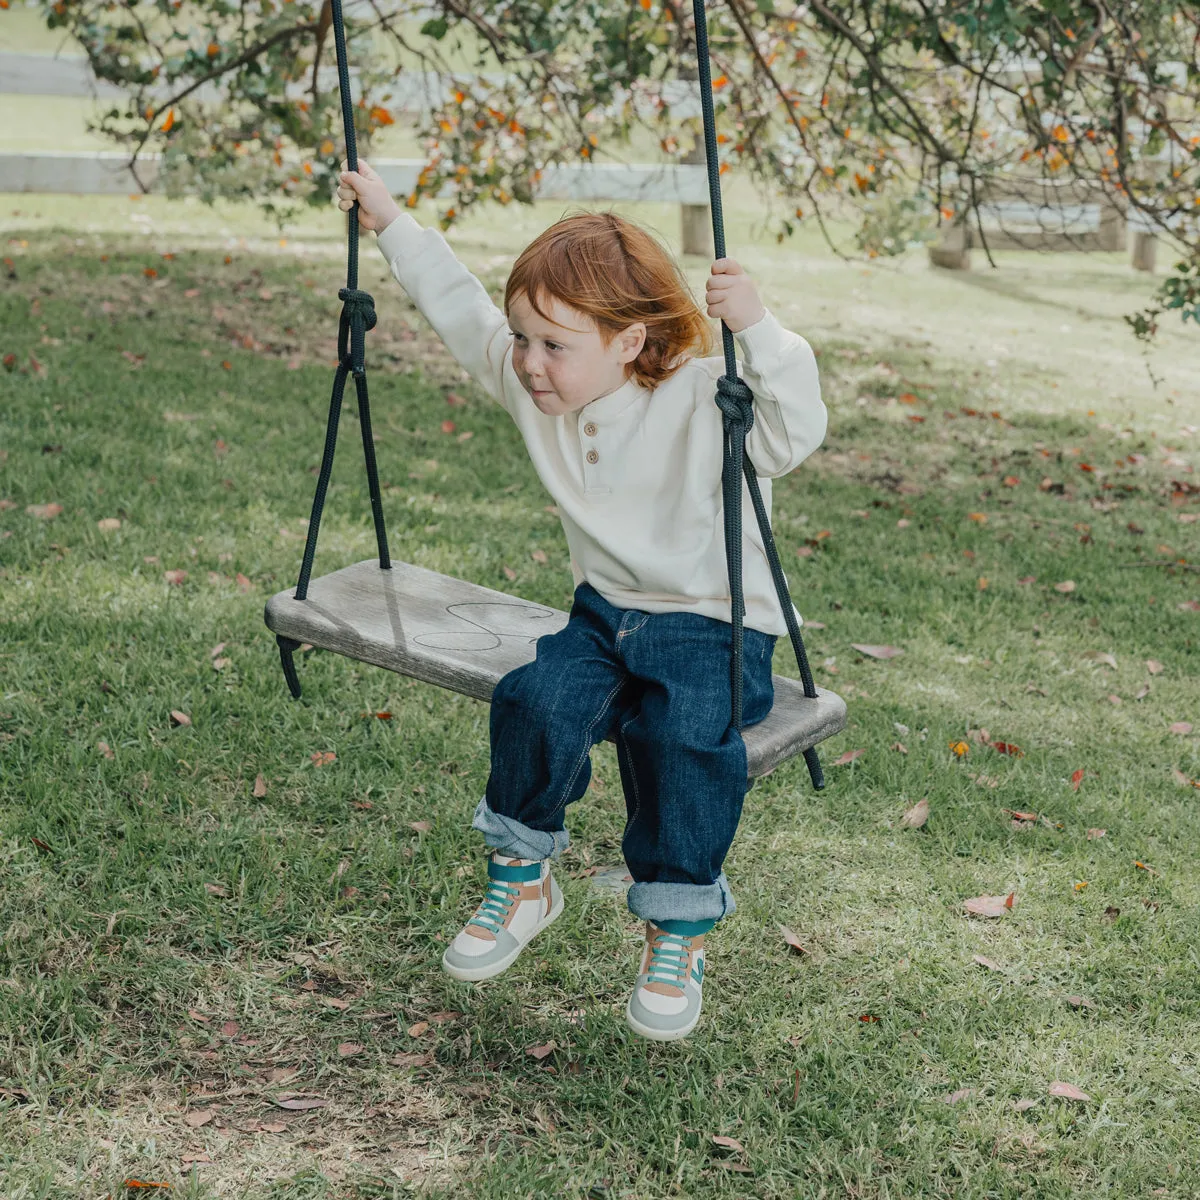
[(594, 357)]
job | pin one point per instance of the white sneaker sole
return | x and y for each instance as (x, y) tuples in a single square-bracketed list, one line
[(475, 974), (658, 1035)]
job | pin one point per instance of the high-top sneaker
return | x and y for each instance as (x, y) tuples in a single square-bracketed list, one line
[(665, 1002), (521, 900)]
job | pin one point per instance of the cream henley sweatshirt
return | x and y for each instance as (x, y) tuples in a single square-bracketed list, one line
[(636, 474)]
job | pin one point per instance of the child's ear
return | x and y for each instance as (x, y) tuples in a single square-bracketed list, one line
[(631, 341)]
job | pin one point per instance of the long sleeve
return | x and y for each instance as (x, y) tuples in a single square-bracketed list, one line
[(454, 302), (789, 415)]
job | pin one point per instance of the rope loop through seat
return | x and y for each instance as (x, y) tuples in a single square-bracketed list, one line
[(358, 317)]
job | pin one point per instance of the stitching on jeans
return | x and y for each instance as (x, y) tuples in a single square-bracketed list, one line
[(586, 748), (623, 743), (623, 632)]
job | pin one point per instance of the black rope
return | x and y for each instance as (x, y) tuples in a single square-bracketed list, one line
[(358, 316), (736, 402)]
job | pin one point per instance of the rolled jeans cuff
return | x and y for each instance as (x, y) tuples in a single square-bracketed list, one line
[(515, 840), (681, 901)]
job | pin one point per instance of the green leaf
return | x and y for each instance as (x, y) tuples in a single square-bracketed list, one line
[(435, 28)]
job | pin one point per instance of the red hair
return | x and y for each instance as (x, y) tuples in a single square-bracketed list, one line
[(616, 273)]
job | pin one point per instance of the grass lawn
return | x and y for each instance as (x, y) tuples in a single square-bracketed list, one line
[(178, 954)]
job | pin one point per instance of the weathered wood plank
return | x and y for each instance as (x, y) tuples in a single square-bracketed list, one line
[(464, 637), (102, 172)]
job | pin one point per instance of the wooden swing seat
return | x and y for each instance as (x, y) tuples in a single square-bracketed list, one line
[(464, 637)]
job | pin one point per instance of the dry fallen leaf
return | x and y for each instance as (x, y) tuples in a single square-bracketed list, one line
[(1093, 834), (108, 524), (299, 1104), (230, 1029), (1067, 586), (877, 651), (990, 906), (323, 758), (1079, 1002), (1010, 748), (421, 826), (1102, 657), (987, 962), (419, 1028), (105, 749), (1154, 666), (260, 787), (792, 940), (728, 1143), (540, 1052), (198, 1117), (899, 747), (1180, 727), (1076, 779), (538, 556), (215, 889), (179, 718), (509, 573), (1023, 1105), (175, 578), (348, 1049), (1068, 1091), (916, 816), (961, 1094), (848, 757), (272, 1127), (44, 512)]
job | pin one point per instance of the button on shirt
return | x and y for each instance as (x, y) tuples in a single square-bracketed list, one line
[(636, 474)]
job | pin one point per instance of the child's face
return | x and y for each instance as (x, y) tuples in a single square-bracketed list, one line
[(563, 362)]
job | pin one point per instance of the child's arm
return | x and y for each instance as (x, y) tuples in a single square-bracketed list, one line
[(450, 298), (779, 367)]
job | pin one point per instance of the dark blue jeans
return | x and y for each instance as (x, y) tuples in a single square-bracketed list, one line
[(658, 683)]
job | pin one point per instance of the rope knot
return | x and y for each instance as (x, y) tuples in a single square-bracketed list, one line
[(358, 303), (736, 401)]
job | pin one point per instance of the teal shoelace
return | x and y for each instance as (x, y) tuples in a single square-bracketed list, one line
[(498, 899), (669, 959)]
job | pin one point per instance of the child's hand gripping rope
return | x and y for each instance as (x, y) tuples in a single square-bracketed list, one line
[(732, 296), (376, 208)]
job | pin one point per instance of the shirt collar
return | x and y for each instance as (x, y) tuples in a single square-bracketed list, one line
[(614, 404)]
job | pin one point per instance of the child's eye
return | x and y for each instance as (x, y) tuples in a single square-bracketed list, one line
[(553, 346)]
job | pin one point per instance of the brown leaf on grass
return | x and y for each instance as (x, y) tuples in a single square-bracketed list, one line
[(322, 758), (44, 512), (198, 1117), (916, 816), (1189, 606), (1111, 913), (848, 757), (336, 1002), (1182, 727), (792, 940), (230, 1029), (1079, 1002), (216, 650), (412, 1060), (454, 400), (271, 1127), (215, 889), (105, 749), (540, 1052), (134, 1184), (1142, 692), (260, 787), (219, 664), (349, 1049), (1154, 666), (987, 962), (884, 652), (987, 781), (899, 747), (176, 577), (1114, 699), (179, 718), (1094, 834), (1066, 587), (539, 556), (959, 1096), (1102, 657), (300, 1103), (509, 573), (1076, 779), (1010, 748), (1068, 1091), (441, 1018), (990, 906), (108, 524), (198, 1016), (194, 1156), (419, 1028), (1027, 579), (1023, 1105), (421, 826), (448, 426), (1184, 780), (728, 1143)]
